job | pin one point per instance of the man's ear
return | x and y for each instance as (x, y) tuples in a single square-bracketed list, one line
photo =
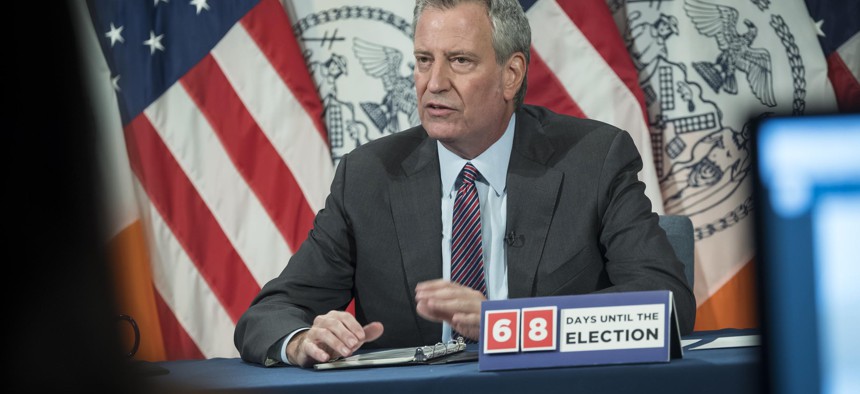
[(514, 74)]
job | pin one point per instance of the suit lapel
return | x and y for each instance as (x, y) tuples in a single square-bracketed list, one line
[(415, 207), (533, 189)]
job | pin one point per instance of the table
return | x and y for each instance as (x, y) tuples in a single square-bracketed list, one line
[(734, 370)]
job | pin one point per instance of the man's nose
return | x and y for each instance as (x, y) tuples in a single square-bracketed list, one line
[(440, 79)]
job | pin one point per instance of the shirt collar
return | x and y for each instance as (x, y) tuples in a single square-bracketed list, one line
[(492, 164)]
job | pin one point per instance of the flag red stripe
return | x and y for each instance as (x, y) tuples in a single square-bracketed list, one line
[(188, 217), (594, 20), (177, 343), (269, 26), (545, 89), (846, 87), (250, 150)]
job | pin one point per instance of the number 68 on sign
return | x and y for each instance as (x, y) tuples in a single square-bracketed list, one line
[(525, 329)]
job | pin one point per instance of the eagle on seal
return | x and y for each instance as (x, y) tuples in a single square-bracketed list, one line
[(383, 62), (720, 22)]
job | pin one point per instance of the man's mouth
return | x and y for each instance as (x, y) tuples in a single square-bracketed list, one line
[(437, 107)]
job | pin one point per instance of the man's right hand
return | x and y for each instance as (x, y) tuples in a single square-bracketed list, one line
[(335, 334)]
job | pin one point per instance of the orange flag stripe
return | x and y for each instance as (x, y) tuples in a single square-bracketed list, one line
[(733, 305), (135, 293)]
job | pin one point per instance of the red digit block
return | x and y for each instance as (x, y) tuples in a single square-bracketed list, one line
[(501, 331), (539, 328)]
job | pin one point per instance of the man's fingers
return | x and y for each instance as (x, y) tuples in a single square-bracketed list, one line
[(437, 288), (428, 312), (313, 351), (352, 325), (372, 331), (343, 326), (432, 284), (332, 346), (328, 340), (435, 308), (460, 306), (305, 352), (335, 334), (448, 291), (468, 324), (466, 319), (450, 306)]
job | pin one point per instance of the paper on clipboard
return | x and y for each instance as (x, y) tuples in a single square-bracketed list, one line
[(400, 356), (729, 342)]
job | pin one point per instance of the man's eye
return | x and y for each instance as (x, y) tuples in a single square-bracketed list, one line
[(461, 60)]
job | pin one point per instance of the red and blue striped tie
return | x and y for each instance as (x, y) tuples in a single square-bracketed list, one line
[(467, 252)]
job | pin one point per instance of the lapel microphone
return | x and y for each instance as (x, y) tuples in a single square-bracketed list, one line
[(514, 240)]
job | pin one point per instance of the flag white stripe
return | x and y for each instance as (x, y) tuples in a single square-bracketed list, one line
[(183, 289), (584, 73), (200, 154), (113, 157), (581, 68), (850, 54), (276, 110)]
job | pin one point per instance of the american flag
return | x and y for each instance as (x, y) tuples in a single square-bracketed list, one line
[(838, 29), (228, 156)]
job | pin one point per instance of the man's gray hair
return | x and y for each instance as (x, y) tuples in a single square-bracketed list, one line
[(511, 31)]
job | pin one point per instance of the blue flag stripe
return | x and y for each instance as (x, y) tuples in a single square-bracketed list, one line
[(186, 36)]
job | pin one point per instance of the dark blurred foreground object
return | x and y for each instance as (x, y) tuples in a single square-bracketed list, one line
[(64, 334), (807, 222)]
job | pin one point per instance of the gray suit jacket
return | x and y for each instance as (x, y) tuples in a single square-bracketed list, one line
[(583, 221)]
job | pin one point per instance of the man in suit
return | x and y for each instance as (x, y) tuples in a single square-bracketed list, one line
[(556, 209)]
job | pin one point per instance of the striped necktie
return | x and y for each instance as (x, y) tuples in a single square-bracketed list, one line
[(467, 252)]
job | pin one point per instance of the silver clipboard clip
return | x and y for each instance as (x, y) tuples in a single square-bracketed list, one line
[(440, 349)]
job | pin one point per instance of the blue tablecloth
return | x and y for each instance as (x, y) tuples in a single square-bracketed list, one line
[(735, 370)]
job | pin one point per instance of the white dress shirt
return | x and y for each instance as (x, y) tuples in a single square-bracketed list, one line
[(493, 167)]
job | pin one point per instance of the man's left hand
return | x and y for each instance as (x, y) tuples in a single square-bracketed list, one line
[(457, 305)]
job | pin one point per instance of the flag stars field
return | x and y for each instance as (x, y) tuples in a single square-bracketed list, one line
[(201, 5), (115, 34), (114, 82), (818, 30), (154, 42)]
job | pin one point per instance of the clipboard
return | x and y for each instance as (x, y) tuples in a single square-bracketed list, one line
[(441, 353)]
